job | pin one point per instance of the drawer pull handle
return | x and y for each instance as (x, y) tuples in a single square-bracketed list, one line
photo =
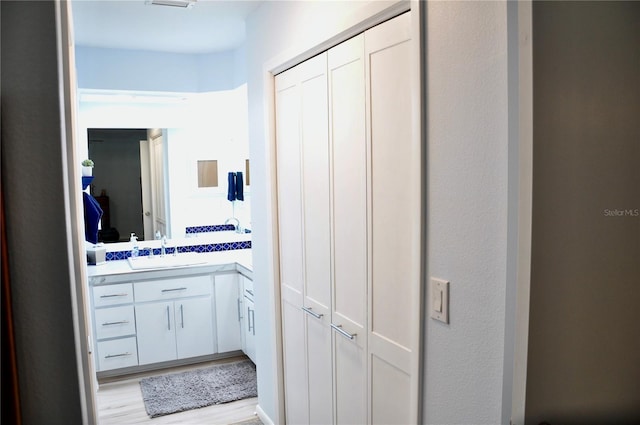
[(110, 356), (174, 289), (121, 322), (113, 295), (338, 328), (249, 291), (313, 313)]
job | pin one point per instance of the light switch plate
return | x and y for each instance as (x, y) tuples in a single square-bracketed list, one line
[(439, 299)]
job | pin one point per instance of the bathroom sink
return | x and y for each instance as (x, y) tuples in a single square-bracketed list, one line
[(170, 260)]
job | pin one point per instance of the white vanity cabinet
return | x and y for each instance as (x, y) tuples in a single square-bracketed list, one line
[(148, 318), (114, 326), (248, 318), (174, 318)]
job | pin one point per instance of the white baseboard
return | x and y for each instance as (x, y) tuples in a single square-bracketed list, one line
[(263, 416)]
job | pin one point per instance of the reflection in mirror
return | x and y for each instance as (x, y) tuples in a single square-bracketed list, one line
[(175, 132), (117, 183)]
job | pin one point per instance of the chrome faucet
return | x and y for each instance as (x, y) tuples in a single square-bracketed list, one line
[(237, 225), (163, 246)]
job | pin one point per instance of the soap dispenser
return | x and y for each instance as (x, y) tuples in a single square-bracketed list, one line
[(135, 250)]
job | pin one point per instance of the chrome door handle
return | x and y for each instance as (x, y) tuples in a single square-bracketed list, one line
[(253, 321), (239, 309), (313, 313), (250, 322), (168, 320), (182, 316), (344, 333)]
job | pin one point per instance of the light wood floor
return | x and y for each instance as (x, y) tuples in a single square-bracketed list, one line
[(120, 402)]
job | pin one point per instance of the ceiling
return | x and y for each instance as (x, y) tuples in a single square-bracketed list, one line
[(209, 26)]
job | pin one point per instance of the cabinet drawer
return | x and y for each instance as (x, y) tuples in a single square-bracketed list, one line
[(248, 285), (107, 295), (115, 321), (173, 288), (117, 353)]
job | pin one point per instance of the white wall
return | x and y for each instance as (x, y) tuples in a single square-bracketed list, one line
[(467, 131), (221, 134), (120, 69)]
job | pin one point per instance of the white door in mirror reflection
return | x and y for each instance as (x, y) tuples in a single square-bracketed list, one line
[(145, 185), (158, 196)]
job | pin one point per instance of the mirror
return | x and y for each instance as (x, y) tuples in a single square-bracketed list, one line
[(118, 182), (204, 136)]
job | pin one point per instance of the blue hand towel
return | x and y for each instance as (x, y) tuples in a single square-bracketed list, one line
[(92, 216), (231, 193), (239, 186)]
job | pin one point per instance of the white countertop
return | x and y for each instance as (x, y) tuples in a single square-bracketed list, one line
[(237, 259)]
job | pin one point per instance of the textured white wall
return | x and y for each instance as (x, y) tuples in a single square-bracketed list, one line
[(467, 134)]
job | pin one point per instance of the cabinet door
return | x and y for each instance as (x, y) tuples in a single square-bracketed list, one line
[(194, 327), (394, 284), (227, 312), (349, 192), (156, 332)]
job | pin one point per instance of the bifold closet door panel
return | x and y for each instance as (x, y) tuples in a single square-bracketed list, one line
[(349, 185), (394, 287), (349, 218), (314, 131), (295, 364), (289, 190)]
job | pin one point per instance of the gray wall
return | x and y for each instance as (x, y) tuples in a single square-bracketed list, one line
[(584, 337), (32, 181)]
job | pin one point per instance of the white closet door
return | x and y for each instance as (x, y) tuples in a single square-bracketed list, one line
[(394, 287), (289, 177), (349, 214), (314, 128)]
